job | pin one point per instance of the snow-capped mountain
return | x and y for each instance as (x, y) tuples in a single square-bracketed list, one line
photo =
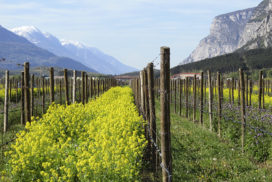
[(16, 50), (89, 56)]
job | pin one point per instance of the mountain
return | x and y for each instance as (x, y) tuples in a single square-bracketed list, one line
[(89, 56), (257, 32), (17, 50), (224, 35)]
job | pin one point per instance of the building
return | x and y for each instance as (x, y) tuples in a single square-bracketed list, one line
[(186, 75)]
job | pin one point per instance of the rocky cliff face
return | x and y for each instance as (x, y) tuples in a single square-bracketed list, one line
[(244, 30), (257, 32), (224, 35)]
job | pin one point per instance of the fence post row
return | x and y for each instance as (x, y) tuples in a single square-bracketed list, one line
[(6, 100)]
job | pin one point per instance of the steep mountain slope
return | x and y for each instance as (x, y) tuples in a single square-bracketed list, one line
[(16, 50), (241, 30), (88, 56), (224, 36), (257, 32)]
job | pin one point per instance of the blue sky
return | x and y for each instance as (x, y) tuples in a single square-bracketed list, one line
[(130, 30)]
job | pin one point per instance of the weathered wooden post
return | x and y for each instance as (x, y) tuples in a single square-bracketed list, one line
[(194, 99), (74, 86), (32, 95), (152, 115), (27, 93), (243, 111), (210, 98), (52, 92), (60, 91), (201, 97), (180, 96), (66, 85), (219, 103), (22, 99), (83, 87), (86, 88), (246, 89), (263, 88), (165, 115), (43, 96), (6, 101), (260, 89), (187, 97)]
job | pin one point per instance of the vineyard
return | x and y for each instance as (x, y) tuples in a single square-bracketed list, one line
[(207, 128)]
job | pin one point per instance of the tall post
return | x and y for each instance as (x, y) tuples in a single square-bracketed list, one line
[(201, 97), (210, 98), (263, 88), (52, 92), (43, 96), (6, 101), (86, 88), (74, 86), (194, 99), (180, 96), (66, 84), (187, 97), (246, 90), (152, 116), (260, 89), (83, 87), (243, 111), (60, 90), (22, 99), (165, 114), (27, 93), (32, 95), (219, 103)]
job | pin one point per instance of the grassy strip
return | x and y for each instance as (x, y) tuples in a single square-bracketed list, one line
[(199, 155)]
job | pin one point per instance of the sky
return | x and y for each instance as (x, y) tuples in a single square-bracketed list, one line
[(130, 30)]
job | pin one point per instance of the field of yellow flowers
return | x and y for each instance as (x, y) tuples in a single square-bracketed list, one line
[(102, 140)]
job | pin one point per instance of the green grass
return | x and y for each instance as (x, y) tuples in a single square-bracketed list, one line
[(200, 155)]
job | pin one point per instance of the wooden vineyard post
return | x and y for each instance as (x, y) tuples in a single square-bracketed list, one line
[(32, 95), (83, 87), (260, 89), (246, 89), (219, 103), (187, 97), (91, 87), (175, 92), (6, 101), (165, 115), (86, 88), (210, 98), (243, 111), (22, 99), (250, 91), (263, 89), (43, 96), (180, 97), (201, 98), (60, 91), (142, 91), (232, 90), (27, 94), (98, 87), (239, 92), (66, 85), (52, 92), (194, 99), (152, 116), (74, 86)]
